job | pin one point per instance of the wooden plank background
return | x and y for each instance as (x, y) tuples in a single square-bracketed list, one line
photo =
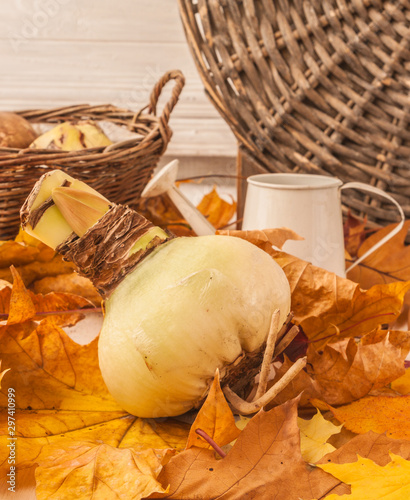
[(58, 52)]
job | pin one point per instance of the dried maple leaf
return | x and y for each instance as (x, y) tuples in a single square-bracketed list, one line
[(218, 211), (348, 370), (71, 283), (371, 481), (162, 212), (371, 445), (314, 434), (263, 464), (20, 305), (379, 414), (215, 418), (389, 263), (365, 311), (83, 471)]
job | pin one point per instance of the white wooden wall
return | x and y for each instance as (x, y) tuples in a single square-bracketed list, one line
[(59, 52)]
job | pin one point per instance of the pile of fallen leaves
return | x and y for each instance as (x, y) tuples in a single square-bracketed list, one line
[(342, 427)]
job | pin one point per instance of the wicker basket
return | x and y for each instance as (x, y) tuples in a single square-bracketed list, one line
[(120, 171), (312, 86)]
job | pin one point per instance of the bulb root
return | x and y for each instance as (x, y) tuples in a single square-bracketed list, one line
[(246, 408), (278, 339)]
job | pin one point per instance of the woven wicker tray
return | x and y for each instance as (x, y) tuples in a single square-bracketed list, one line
[(315, 87), (119, 171)]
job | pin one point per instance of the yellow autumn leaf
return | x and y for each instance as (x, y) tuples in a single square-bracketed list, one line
[(314, 434), (215, 418), (402, 384), (83, 471), (370, 481), (381, 414)]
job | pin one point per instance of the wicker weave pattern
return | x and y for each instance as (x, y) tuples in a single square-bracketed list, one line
[(312, 86), (120, 171)]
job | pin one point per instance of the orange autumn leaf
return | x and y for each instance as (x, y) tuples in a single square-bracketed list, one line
[(32, 259), (389, 263), (218, 211), (71, 283), (21, 306), (215, 418), (365, 311), (82, 471), (347, 370), (263, 463), (60, 395), (162, 212), (381, 414)]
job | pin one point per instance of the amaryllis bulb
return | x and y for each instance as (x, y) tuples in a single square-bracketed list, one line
[(189, 308)]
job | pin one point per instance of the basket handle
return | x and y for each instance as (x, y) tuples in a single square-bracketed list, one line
[(176, 91)]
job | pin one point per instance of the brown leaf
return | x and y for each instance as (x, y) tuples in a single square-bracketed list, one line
[(346, 370), (315, 291), (264, 239), (378, 414), (83, 471), (364, 312), (263, 464), (370, 445), (389, 263), (5, 296), (303, 384), (71, 283), (215, 418)]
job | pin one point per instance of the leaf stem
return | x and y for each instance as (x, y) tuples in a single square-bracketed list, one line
[(211, 442)]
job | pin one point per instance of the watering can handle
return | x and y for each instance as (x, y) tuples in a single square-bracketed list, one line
[(365, 187)]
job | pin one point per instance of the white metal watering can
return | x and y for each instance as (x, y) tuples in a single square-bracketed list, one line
[(311, 206)]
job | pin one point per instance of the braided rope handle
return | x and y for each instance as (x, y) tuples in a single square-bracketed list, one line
[(176, 91)]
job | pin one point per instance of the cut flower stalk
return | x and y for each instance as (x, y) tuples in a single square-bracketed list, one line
[(176, 309)]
